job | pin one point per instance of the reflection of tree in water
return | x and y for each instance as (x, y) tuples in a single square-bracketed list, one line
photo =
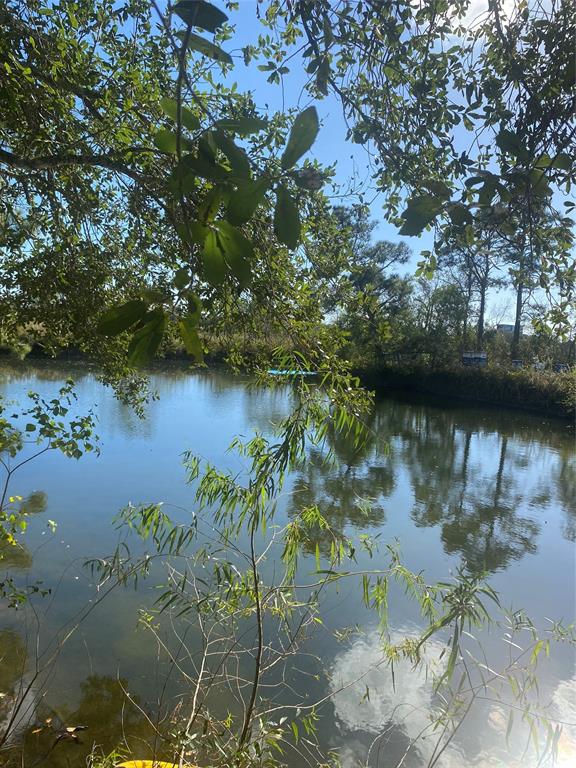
[(109, 718), (566, 486), (12, 683), (488, 532), (12, 659), (468, 471), (17, 556), (478, 516), (346, 482)]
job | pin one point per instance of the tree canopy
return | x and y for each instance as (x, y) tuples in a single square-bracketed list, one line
[(136, 176)]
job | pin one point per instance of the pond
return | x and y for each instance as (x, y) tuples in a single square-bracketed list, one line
[(451, 483)]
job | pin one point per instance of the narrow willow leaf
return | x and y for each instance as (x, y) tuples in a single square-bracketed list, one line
[(453, 654), (366, 590), (190, 337), (188, 118), (286, 218), (247, 197), (509, 726), (242, 125), (119, 319), (146, 340), (199, 13), (302, 136)]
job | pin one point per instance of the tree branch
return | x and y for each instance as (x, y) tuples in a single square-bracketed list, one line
[(49, 162)]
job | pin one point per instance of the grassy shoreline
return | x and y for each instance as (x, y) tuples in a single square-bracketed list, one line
[(544, 392)]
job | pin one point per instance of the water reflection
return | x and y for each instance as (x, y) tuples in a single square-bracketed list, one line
[(16, 556), (110, 719), (16, 696), (386, 715), (386, 720), (497, 490), (486, 482)]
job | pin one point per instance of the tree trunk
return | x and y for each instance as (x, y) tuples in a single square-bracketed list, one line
[(467, 312), (482, 310), (518, 319)]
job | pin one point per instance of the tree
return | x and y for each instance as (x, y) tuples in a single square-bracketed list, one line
[(143, 159), (408, 75), (356, 281), (134, 188), (473, 264)]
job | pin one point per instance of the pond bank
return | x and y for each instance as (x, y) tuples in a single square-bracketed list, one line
[(543, 392), (548, 393)]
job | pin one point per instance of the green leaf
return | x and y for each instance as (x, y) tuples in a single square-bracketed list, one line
[(197, 43), (181, 278), (451, 666), (207, 146), (182, 182), (237, 249), (119, 319), (203, 166), (242, 125), (421, 211), (190, 338), (302, 136), (166, 141), (188, 118), (214, 266), (192, 232), (510, 142), (194, 307), (437, 188), (294, 731), (322, 75), (459, 214), (244, 201), (210, 206), (286, 218), (237, 157), (199, 13), (146, 340), (563, 161)]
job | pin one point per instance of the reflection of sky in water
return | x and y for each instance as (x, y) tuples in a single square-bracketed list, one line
[(379, 716)]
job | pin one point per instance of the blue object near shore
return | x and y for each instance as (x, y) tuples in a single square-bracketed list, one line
[(276, 372)]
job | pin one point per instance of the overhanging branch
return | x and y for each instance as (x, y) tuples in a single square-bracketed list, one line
[(49, 162)]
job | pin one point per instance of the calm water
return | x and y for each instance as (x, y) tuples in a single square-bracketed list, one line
[(453, 484)]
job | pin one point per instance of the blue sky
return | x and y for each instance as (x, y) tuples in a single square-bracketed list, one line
[(352, 169)]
